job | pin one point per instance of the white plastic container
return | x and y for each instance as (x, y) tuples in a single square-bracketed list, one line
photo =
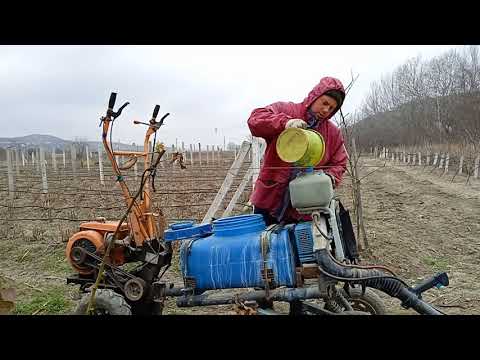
[(311, 189)]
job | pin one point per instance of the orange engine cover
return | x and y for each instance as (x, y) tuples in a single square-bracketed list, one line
[(92, 241)]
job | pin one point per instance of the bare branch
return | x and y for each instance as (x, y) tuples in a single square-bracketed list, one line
[(349, 86)]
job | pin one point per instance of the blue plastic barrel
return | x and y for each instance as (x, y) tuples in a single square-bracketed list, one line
[(186, 230), (232, 257)]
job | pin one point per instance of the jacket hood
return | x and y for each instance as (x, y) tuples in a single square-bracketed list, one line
[(325, 84)]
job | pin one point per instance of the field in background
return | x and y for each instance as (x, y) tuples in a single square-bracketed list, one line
[(417, 223)]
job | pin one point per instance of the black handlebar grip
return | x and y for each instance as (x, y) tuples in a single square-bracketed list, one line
[(155, 111), (111, 102)]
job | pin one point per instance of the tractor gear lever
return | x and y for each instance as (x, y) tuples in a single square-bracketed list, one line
[(119, 111), (136, 122), (160, 123)]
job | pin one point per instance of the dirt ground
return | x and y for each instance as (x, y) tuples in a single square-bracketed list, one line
[(417, 222), (420, 223)]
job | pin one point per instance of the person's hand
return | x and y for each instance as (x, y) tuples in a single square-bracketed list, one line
[(296, 123)]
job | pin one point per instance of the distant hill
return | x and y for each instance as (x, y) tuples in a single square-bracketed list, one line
[(34, 140), (50, 142)]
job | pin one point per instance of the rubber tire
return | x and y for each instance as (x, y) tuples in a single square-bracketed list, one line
[(107, 300), (370, 297)]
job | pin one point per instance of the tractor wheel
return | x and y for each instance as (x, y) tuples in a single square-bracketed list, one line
[(107, 302), (369, 302)]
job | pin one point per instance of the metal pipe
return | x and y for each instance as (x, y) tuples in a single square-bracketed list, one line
[(281, 294)]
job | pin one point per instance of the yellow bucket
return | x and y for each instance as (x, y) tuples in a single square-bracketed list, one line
[(300, 146)]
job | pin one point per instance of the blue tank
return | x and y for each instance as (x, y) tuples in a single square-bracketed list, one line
[(232, 257)]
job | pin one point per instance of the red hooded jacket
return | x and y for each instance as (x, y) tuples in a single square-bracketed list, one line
[(268, 123)]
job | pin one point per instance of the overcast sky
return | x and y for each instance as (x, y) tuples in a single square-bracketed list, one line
[(63, 90)]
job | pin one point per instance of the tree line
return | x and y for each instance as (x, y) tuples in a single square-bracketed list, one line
[(424, 103)]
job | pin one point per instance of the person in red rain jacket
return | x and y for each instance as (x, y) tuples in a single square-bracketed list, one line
[(271, 196)]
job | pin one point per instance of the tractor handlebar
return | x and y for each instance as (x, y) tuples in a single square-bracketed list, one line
[(111, 101), (155, 112), (111, 104)]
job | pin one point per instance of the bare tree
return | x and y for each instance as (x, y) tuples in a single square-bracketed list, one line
[(424, 102)]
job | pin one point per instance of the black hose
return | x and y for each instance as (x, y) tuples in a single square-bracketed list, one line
[(413, 301), (375, 279), (362, 266)]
